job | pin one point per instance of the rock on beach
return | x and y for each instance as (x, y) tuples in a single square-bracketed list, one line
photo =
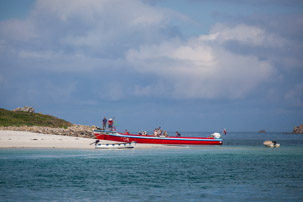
[(74, 130)]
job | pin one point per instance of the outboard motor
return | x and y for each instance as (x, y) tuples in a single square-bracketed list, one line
[(216, 135)]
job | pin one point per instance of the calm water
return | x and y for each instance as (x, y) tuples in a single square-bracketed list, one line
[(240, 170)]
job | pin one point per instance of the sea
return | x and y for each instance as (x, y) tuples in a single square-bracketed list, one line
[(242, 169)]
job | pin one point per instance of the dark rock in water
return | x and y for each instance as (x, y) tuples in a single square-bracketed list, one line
[(298, 129), (25, 109), (262, 131)]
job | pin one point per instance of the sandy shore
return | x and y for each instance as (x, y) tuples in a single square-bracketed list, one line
[(18, 139)]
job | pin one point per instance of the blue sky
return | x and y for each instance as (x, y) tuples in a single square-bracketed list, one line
[(182, 65)]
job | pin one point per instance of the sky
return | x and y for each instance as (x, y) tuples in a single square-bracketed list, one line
[(185, 65)]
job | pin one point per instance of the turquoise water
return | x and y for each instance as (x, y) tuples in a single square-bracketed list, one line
[(240, 170)]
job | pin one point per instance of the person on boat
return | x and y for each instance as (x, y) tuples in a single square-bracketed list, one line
[(156, 132), (144, 132), (110, 124), (139, 133), (159, 132), (165, 133), (178, 134), (126, 132), (104, 123)]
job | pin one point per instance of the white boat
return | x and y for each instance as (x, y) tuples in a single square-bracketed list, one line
[(124, 145), (271, 144)]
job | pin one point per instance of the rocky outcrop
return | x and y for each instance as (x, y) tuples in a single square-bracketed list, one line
[(74, 130), (298, 129), (24, 109)]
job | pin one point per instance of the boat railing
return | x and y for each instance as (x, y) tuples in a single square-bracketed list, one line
[(106, 131)]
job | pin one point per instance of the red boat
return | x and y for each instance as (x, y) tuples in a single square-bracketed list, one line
[(214, 139)]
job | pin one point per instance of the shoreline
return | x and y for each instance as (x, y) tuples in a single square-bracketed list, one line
[(23, 139)]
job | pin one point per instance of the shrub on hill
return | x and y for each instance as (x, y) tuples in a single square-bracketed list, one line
[(19, 118)]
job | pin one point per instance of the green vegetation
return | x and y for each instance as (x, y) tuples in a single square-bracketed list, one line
[(10, 118)]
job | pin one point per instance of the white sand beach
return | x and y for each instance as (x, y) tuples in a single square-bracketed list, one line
[(18, 139)]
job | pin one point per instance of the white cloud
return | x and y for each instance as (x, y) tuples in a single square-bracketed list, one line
[(91, 30), (243, 34), (102, 24), (200, 68)]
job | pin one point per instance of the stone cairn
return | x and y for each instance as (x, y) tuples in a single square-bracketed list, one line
[(74, 130), (24, 109)]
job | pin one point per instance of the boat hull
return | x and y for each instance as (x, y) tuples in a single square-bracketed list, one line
[(271, 144), (148, 139), (128, 145)]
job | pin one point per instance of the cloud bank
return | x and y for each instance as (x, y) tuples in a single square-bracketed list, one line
[(202, 68), (141, 40)]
